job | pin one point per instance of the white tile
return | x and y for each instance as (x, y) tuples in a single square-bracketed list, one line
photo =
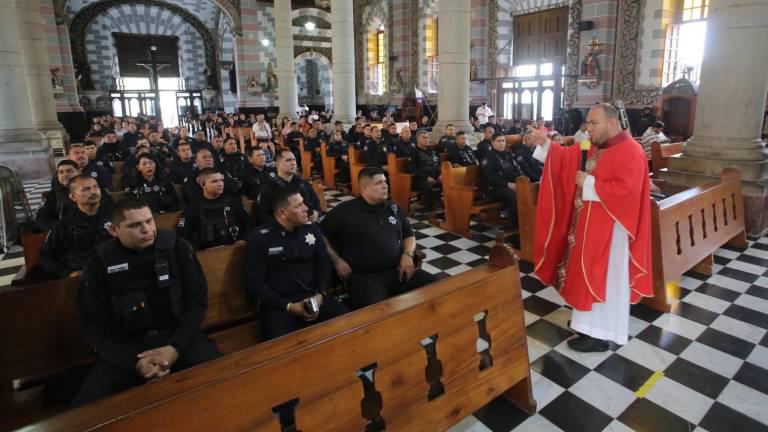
[(617, 426), (762, 281), (679, 399), (643, 353), (6, 280), (551, 294), (707, 302), (746, 400), (763, 240), (458, 269), (700, 429), (727, 253), (738, 328), (559, 317), (536, 349), (431, 254), (712, 359), (464, 243), (544, 390), (464, 257), (590, 360), (433, 231), (729, 283), (752, 302), (537, 423), (759, 356), (689, 282), (13, 262), (429, 269), (429, 242), (680, 325), (636, 325), (469, 424), (746, 267), (604, 394), (757, 253), (529, 318)]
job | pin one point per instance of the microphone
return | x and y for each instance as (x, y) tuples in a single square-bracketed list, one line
[(584, 145)]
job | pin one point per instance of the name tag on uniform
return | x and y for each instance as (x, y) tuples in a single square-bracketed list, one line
[(117, 268), (276, 250)]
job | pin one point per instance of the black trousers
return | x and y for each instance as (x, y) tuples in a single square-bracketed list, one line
[(368, 288), (106, 379), (428, 194), (508, 199), (276, 323)]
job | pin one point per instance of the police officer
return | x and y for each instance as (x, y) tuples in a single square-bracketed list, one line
[(193, 191), (182, 165), (447, 141), (461, 154), (158, 192), (141, 304), (57, 198), (112, 150), (100, 174), (376, 149), (529, 166), (425, 166), (338, 149), (92, 151), (403, 145), (216, 218), (501, 170), (372, 245), (288, 268), (257, 173), (285, 161), (484, 147), (71, 240), (233, 164)]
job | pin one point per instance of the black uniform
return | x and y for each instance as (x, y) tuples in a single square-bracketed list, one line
[(370, 239), (514, 130), (132, 301), (101, 174), (424, 163), (180, 170), (158, 193), (193, 191), (529, 166), (233, 166), (446, 143), (402, 149), (286, 267), (70, 242), (255, 179), (103, 162), (264, 201), (292, 142), (113, 152), (53, 205), (483, 148), (499, 169), (209, 223), (463, 156), (376, 153), (336, 150)]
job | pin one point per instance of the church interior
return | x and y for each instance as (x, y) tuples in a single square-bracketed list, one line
[(322, 94)]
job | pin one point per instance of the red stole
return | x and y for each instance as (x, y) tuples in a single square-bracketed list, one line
[(621, 182)]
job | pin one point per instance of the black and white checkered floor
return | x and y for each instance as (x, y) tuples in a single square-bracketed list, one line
[(703, 367)]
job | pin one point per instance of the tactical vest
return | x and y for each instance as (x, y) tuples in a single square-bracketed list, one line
[(154, 192), (508, 167), (234, 165), (217, 224)]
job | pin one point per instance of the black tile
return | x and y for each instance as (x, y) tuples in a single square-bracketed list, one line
[(531, 284), (480, 250), (683, 292), (764, 342), (525, 267), (696, 275), (559, 369), (644, 312), (624, 371), (479, 228), (694, 313), (445, 249), (481, 238), (548, 333), (747, 315), (696, 377), (9, 270), (664, 339), (726, 343), (718, 292), (721, 260), (12, 255), (443, 263), (758, 291), (500, 415), (753, 376), (738, 275), (751, 259), (761, 246), (448, 237), (722, 418), (644, 415), (419, 235), (571, 413), (477, 262), (421, 225), (732, 248)]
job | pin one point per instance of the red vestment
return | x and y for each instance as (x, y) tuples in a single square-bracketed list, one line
[(621, 182)]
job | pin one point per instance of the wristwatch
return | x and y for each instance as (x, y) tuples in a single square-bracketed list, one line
[(288, 307), (409, 253)]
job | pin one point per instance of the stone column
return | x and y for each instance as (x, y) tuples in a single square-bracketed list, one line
[(453, 53), (34, 53), (729, 107), (21, 147), (286, 70), (343, 51)]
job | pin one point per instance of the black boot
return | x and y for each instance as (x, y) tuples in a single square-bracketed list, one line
[(584, 343)]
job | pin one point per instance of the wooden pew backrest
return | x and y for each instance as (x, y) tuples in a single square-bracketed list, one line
[(306, 161), (461, 186), (660, 154), (400, 182), (356, 164), (527, 196), (329, 167)]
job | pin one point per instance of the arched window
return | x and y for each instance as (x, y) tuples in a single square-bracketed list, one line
[(430, 33), (684, 46), (377, 60)]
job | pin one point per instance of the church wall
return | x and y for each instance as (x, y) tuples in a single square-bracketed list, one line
[(226, 56), (604, 16), (372, 15), (60, 56), (252, 58), (323, 80), (657, 14), (478, 48)]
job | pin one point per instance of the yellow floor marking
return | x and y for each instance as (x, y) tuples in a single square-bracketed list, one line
[(645, 388)]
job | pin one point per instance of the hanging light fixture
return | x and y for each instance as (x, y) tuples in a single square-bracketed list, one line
[(309, 25)]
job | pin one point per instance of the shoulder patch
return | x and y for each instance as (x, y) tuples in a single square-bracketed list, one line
[(485, 162), (181, 223), (263, 230)]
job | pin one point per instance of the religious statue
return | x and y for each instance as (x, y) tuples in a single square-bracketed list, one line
[(271, 78), (253, 86), (232, 79), (56, 82), (589, 66), (397, 85), (210, 80), (472, 71)]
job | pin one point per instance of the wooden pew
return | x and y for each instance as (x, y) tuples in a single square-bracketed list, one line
[(316, 376), (356, 164), (245, 134), (527, 195), (306, 161), (117, 181), (31, 243), (117, 166), (329, 167), (461, 187), (118, 196), (660, 154), (318, 188), (400, 182)]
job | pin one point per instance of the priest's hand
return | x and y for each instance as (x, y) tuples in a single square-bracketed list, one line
[(580, 177)]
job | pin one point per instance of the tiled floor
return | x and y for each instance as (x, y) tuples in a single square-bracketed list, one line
[(708, 358)]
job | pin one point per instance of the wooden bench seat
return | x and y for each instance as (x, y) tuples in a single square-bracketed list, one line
[(356, 164), (461, 189), (660, 154), (527, 194), (315, 379), (400, 182), (329, 167)]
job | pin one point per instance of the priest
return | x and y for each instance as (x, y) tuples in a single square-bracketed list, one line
[(593, 229)]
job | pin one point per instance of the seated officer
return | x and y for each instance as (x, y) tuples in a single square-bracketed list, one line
[(216, 218), (182, 164), (287, 268), (371, 244), (461, 154), (501, 171), (193, 190), (158, 192), (403, 145), (141, 304), (77, 154), (530, 166), (425, 166), (376, 150), (285, 161), (484, 147), (257, 173), (112, 150), (92, 151), (447, 141), (338, 149), (57, 198), (71, 240), (233, 164)]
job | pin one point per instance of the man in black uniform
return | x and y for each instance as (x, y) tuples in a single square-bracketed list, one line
[(371, 244), (100, 174), (403, 146), (141, 304), (529, 166), (501, 170), (425, 166), (484, 147), (462, 154), (257, 173), (317, 125), (292, 141), (376, 150), (92, 151), (516, 129), (216, 218), (233, 164), (447, 141), (182, 165), (288, 268), (352, 134), (193, 190), (57, 198), (112, 150), (337, 148), (71, 240), (158, 192), (285, 162)]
